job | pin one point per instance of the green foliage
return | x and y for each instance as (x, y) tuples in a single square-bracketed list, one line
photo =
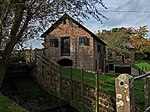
[(139, 94), (138, 40), (28, 18), (142, 64), (116, 39), (105, 80), (21, 20), (7, 105)]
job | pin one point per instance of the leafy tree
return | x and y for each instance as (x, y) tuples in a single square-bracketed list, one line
[(138, 40), (116, 39), (24, 19)]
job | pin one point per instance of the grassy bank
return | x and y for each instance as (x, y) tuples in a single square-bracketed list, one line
[(142, 64), (7, 105), (107, 83)]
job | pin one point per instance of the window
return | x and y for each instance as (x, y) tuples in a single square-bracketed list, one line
[(84, 41), (101, 61), (64, 22), (65, 46), (53, 42), (99, 48)]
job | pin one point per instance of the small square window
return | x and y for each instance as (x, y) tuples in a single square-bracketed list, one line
[(84, 41), (53, 42), (64, 22)]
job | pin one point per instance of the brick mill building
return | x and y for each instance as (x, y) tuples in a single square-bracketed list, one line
[(69, 43)]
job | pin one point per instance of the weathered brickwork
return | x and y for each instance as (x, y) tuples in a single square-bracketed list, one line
[(85, 56)]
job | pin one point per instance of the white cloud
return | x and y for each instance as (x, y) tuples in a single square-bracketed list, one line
[(119, 19), (133, 13)]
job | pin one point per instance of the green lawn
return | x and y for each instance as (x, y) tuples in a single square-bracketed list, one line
[(106, 81), (139, 94), (142, 64), (7, 105)]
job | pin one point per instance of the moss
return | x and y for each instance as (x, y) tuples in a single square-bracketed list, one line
[(7, 105)]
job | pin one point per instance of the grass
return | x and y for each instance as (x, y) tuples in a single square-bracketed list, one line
[(139, 94), (142, 64), (107, 81), (89, 78), (7, 105)]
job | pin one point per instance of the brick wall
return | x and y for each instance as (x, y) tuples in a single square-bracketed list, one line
[(81, 55)]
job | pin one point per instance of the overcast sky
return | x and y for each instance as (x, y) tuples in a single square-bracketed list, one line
[(120, 13)]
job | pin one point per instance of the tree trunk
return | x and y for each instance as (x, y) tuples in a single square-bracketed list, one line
[(5, 57), (3, 68)]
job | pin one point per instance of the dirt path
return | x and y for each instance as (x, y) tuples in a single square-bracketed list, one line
[(29, 95)]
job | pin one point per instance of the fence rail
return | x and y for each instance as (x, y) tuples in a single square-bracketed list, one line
[(141, 76), (82, 91)]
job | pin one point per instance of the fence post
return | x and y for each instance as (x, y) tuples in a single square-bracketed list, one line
[(35, 62), (139, 71), (60, 81), (97, 93), (41, 65), (82, 87), (147, 93), (71, 83), (50, 72), (124, 93)]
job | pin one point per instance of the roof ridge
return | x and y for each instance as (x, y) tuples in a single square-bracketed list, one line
[(66, 16)]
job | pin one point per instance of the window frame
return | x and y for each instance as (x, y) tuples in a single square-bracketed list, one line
[(54, 42), (84, 41), (99, 48), (63, 52)]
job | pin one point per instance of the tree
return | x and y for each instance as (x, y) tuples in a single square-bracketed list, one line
[(116, 39), (24, 19), (138, 40)]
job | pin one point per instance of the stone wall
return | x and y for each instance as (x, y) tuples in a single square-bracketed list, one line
[(99, 56)]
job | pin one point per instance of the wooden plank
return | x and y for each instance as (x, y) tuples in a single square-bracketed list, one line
[(71, 80), (124, 93), (82, 87), (60, 81), (147, 93), (41, 66), (89, 78), (97, 95)]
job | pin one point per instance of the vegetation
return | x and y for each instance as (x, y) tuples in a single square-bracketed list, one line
[(89, 78), (118, 39), (107, 84), (139, 95), (138, 40), (141, 64), (21, 20), (7, 105)]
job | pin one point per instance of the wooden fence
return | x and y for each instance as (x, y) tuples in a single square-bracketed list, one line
[(127, 94), (83, 92)]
